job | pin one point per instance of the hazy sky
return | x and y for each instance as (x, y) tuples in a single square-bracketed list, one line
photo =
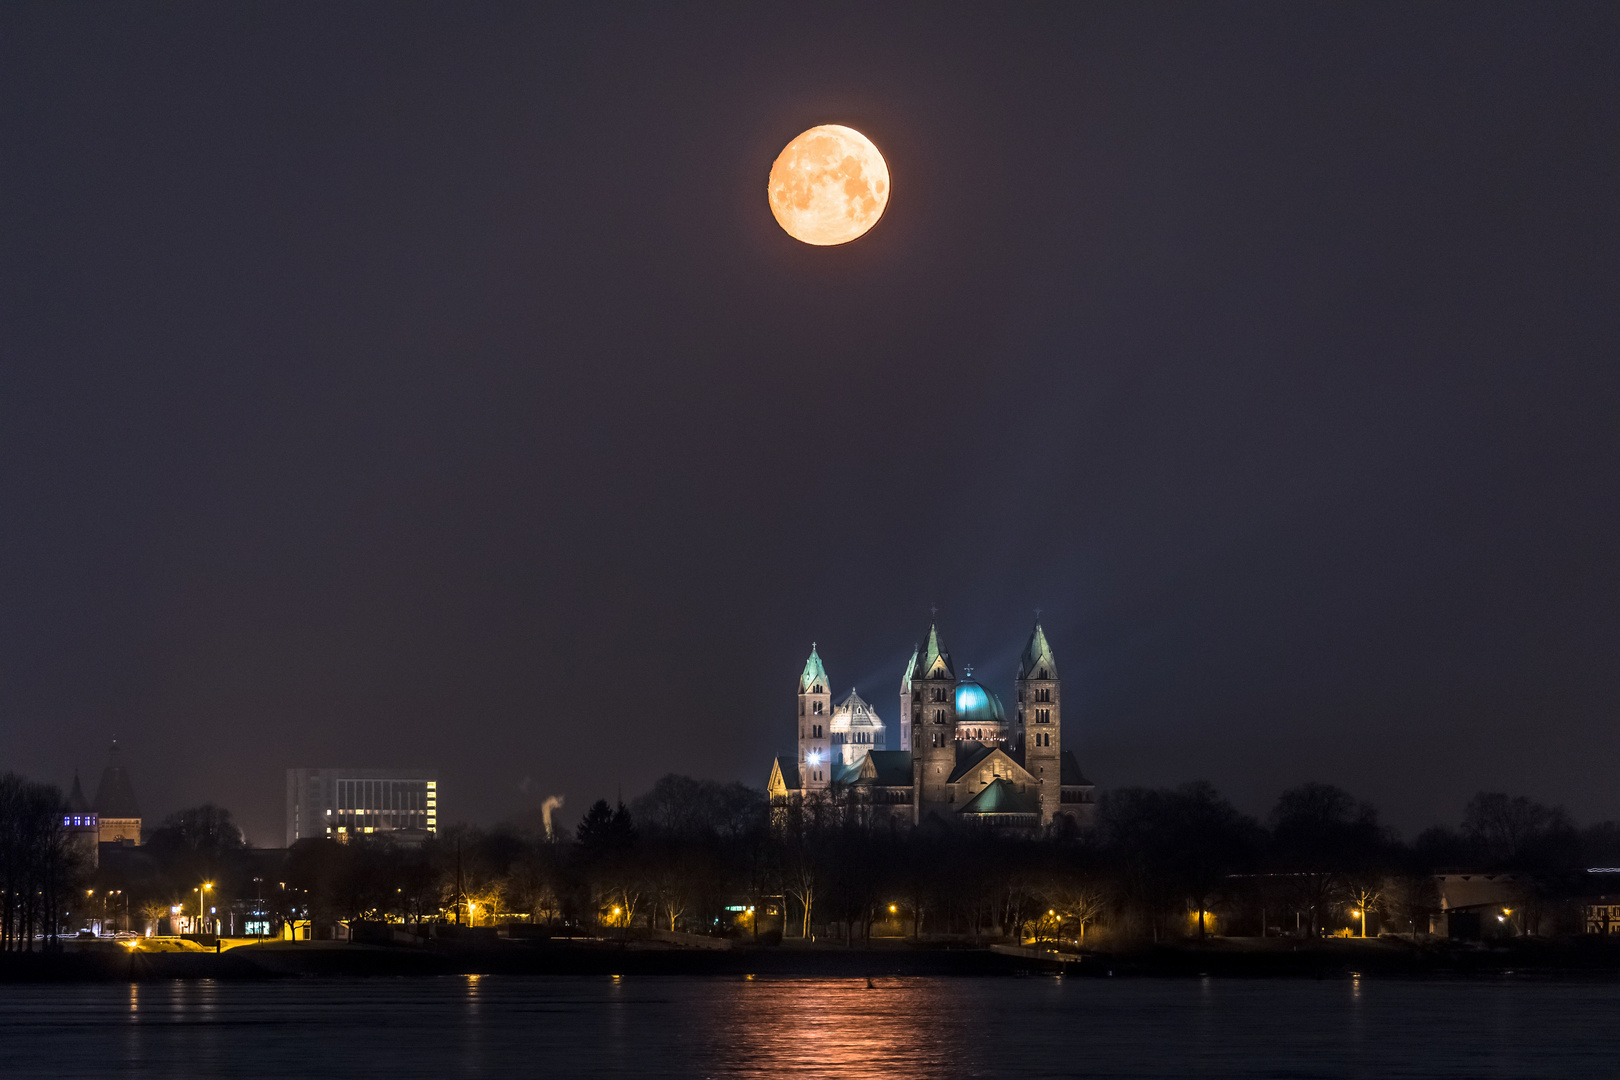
[(430, 384)]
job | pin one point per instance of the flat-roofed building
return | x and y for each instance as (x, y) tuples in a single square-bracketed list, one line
[(344, 803)]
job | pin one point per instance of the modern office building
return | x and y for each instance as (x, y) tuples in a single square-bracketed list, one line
[(344, 803)]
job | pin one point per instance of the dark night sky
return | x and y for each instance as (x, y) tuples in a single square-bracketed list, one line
[(421, 383)]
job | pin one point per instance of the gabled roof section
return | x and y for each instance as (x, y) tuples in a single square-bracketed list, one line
[(1037, 654), (847, 774), (1070, 771), (1001, 797), (905, 679), (853, 712), (971, 755), (784, 775), (887, 768), (115, 798), (814, 673), (933, 662), (968, 755), (852, 700)]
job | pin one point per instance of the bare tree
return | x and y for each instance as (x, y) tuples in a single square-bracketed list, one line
[(803, 833), (1074, 901), (1366, 893), (39, 868)]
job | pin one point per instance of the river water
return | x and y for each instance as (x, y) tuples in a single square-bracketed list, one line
[(508, 1027)]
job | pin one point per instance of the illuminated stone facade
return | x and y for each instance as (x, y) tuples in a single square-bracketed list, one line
[(856, 731), (962, 756)]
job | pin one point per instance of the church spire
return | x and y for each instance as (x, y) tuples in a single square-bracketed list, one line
[(1037, 655), (932, 657), (814, 673), (77, 803)]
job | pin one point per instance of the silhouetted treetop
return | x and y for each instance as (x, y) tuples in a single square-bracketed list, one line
[(605, 829)]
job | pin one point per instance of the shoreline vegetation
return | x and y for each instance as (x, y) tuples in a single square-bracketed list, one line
[(694, 874), (1217, 957)]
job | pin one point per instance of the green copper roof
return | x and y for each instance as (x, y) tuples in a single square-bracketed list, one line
[(1001, 797), (905, 679), (814, 673), (1037, 654), (933, 650), (975, 704)]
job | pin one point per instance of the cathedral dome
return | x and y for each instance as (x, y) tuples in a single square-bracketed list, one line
[(976, 705)]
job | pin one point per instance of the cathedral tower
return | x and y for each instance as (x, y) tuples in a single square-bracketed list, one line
[(933, 725), (815, 720), (905, 703), (1040, 720)]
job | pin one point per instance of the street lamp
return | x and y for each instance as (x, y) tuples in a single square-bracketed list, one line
[(205, 885)]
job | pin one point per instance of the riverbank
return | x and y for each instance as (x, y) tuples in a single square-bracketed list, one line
[(1228, 957)]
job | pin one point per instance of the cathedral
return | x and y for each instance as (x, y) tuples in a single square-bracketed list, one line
[(958, 756)]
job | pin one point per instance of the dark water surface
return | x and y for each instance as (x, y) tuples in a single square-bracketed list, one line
[(956, 1027)]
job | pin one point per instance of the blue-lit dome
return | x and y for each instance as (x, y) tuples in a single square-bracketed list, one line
[(974, 704)]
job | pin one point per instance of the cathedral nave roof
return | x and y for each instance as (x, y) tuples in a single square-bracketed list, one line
[(887, 768), (1002, 797)]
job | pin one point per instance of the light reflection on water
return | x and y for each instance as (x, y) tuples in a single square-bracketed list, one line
[(915, 1028)]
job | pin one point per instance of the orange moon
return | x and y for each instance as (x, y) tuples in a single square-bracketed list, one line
[(828, 186)]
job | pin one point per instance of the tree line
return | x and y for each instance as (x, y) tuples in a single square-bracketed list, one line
[(697, 856), (38, 867)]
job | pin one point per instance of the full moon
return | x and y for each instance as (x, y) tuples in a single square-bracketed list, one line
[(829, 186)]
